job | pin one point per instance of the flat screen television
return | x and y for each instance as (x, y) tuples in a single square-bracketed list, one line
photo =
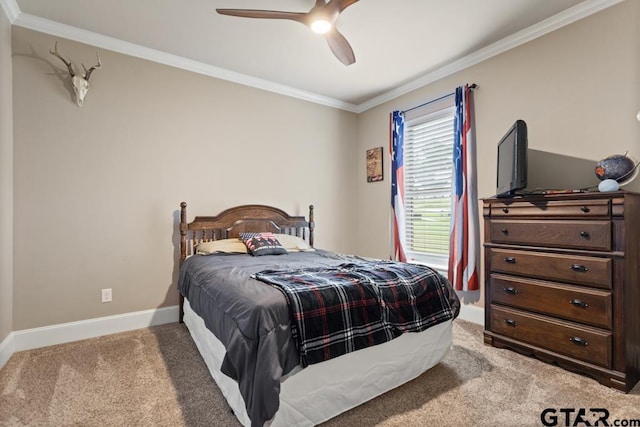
[(512, 161)]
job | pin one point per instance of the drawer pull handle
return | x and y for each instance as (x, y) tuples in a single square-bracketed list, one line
[(511, 290), (510, 260), (578, 303), (511, 323), (580, 268), (505, 231), (584, 234), (579, 341), (584, 209), (505, 210)]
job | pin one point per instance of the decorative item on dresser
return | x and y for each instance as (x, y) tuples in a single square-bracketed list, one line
[(562, 281)]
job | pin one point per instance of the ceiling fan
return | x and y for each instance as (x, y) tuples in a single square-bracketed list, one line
[(321, 19)]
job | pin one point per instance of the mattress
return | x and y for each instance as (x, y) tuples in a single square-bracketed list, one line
[(321, 391)]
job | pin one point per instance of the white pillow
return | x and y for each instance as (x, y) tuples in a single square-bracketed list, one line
[(293, 243), (228, 246)]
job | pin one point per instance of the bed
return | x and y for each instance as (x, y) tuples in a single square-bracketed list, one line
[(244, 328)]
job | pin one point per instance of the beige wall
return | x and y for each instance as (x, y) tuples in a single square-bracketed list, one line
[(577, 88), (6, 180), (97, 188)]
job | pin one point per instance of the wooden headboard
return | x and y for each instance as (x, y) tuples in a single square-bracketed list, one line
[(231, 222), (240, 219)]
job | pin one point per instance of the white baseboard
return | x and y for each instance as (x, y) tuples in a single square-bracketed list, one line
[(7, 348), (472, 313), (27, 339)]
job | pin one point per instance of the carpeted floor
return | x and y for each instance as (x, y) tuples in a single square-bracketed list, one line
[(155, 377)]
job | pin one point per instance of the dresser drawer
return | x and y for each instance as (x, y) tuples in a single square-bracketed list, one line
[(552, 208), (591, 271), (592, 235), (579, 304), (583, 343)]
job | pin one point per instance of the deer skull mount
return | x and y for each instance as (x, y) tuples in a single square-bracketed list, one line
[(80, 83)]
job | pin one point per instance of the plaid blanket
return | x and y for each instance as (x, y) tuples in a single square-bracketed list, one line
[(337, 310)]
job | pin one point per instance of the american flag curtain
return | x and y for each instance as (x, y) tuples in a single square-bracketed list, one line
[(397, 185), (464, 245)]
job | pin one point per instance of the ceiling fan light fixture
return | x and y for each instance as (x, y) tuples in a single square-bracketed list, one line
[(320, 19), (321, 26)]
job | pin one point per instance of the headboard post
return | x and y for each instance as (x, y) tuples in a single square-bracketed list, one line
[(312, 225), (183, 251), (183, 232)]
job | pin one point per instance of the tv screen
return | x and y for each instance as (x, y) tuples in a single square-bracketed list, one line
[(512, 161)]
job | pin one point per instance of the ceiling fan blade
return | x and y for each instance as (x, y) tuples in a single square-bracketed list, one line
[(340, 5), (264, 14), (340, 47)]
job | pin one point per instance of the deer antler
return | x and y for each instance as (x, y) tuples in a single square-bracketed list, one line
[(79, 83), (87, 73), (67, 63)]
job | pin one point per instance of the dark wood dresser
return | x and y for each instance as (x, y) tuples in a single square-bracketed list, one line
[(562, 281)]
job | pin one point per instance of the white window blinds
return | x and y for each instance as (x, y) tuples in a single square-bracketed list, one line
[(428, 164)]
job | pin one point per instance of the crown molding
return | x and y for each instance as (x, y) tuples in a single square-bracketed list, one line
[(11, 9), (573, 14), (58, 29)]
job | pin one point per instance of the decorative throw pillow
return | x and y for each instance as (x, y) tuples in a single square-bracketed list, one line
[(262, 244)]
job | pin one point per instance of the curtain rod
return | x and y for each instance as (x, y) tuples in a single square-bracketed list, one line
[(472, 87)]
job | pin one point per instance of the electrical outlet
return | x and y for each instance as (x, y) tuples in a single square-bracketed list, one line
[(106, 295)]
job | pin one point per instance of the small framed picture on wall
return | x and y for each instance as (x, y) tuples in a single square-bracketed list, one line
[(374, 165)]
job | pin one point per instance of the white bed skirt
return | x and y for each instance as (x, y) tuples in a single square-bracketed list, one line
[(313, 395)]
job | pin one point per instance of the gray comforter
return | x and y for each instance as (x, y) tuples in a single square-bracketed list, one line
[(252, 319)]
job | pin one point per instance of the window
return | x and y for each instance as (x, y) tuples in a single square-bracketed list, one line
[(428, 165)]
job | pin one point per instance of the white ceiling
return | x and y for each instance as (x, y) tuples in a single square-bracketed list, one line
[(399, 45)]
